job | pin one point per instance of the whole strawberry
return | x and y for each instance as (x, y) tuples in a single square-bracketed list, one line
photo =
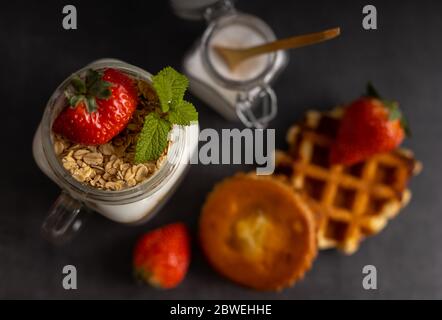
[(162, 256), (100, 107), (369, 126)]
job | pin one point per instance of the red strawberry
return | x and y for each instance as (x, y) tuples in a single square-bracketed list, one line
[(101, 106), (162, 256), (369, 126)]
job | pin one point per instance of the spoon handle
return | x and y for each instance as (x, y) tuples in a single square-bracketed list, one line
[(292, 42)]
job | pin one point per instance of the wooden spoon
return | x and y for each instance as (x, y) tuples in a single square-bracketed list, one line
[(233, 57)]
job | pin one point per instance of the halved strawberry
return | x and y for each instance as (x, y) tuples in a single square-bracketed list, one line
[(369, 126), (101, 106), (162, 256)]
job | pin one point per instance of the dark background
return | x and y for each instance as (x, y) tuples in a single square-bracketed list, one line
[(402, 57)]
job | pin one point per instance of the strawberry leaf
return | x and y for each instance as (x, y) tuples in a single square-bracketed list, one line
[(406, 126), (92, 76), (394, 115), (91, 104), (394, 112), (100, 88), (75, 100), (104, 94), (97, 87), (87, 91), (371, 91), (79, 85)]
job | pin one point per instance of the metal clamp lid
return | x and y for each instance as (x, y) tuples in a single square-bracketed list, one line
[(258, 110), (201, 9)]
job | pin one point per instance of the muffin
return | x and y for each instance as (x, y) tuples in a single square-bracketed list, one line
[(257, 232)]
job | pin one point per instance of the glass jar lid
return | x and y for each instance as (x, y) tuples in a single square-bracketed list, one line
[(200, 9), (238, 30)]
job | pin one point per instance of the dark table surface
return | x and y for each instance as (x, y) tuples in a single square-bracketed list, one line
[(402, 57)]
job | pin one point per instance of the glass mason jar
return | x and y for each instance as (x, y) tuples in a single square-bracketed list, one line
[(133, 205), (251, 99)]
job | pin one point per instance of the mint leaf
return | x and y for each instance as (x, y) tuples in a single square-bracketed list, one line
[(152, 140), (170, 86), (183, 113)]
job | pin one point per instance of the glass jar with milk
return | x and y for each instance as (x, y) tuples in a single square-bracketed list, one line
[(246, 92)]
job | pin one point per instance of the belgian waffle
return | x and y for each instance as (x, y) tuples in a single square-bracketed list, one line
[(351, 202)]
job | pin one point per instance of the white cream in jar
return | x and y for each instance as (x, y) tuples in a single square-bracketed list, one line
[(139, 210), (131, 205), (238, 36)]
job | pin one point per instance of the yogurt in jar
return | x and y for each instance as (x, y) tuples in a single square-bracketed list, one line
[(129, 205), (138, 210)]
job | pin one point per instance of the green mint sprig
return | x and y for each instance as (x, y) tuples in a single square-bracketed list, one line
[(170, 87)]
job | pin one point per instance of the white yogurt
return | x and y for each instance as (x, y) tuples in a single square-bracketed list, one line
[(139, 210)]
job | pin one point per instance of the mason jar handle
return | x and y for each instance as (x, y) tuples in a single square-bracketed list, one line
[(267, 102), (64, 220)]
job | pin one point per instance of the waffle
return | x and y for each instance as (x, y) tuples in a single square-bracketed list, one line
[(351, 202)]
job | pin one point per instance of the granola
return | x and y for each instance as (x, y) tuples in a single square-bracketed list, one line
[(111, 166)]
